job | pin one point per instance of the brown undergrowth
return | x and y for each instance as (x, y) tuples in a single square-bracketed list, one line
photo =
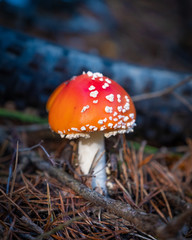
[(42, 197)]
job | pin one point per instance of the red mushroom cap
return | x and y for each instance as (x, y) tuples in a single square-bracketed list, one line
[(88, 103)]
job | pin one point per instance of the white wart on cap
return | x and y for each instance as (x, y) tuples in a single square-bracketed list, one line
[(88, 103)]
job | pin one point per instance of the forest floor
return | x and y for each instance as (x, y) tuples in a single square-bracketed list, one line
[(42, 196)]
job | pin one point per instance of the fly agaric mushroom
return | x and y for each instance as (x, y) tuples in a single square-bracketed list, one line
[(89, 107)]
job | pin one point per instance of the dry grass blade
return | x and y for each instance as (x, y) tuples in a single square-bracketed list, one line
[(149, 196), (156, 208), (145, 161), (130, 200), (140, 169), (13, 203), (182, 159), (165, 177), (167, 204), (49, 202), (27, 202)]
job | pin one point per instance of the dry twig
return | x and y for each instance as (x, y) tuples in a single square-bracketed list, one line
[(134, 216), (163, 92)]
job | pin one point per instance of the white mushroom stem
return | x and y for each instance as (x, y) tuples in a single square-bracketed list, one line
[(89, 150)]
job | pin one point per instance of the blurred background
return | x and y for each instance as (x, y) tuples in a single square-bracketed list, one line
[(151, 33), (144, 45)]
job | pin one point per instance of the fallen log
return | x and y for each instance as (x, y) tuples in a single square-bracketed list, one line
[(31, 68)]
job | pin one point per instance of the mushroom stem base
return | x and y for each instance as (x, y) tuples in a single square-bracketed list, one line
[(92, 152)]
